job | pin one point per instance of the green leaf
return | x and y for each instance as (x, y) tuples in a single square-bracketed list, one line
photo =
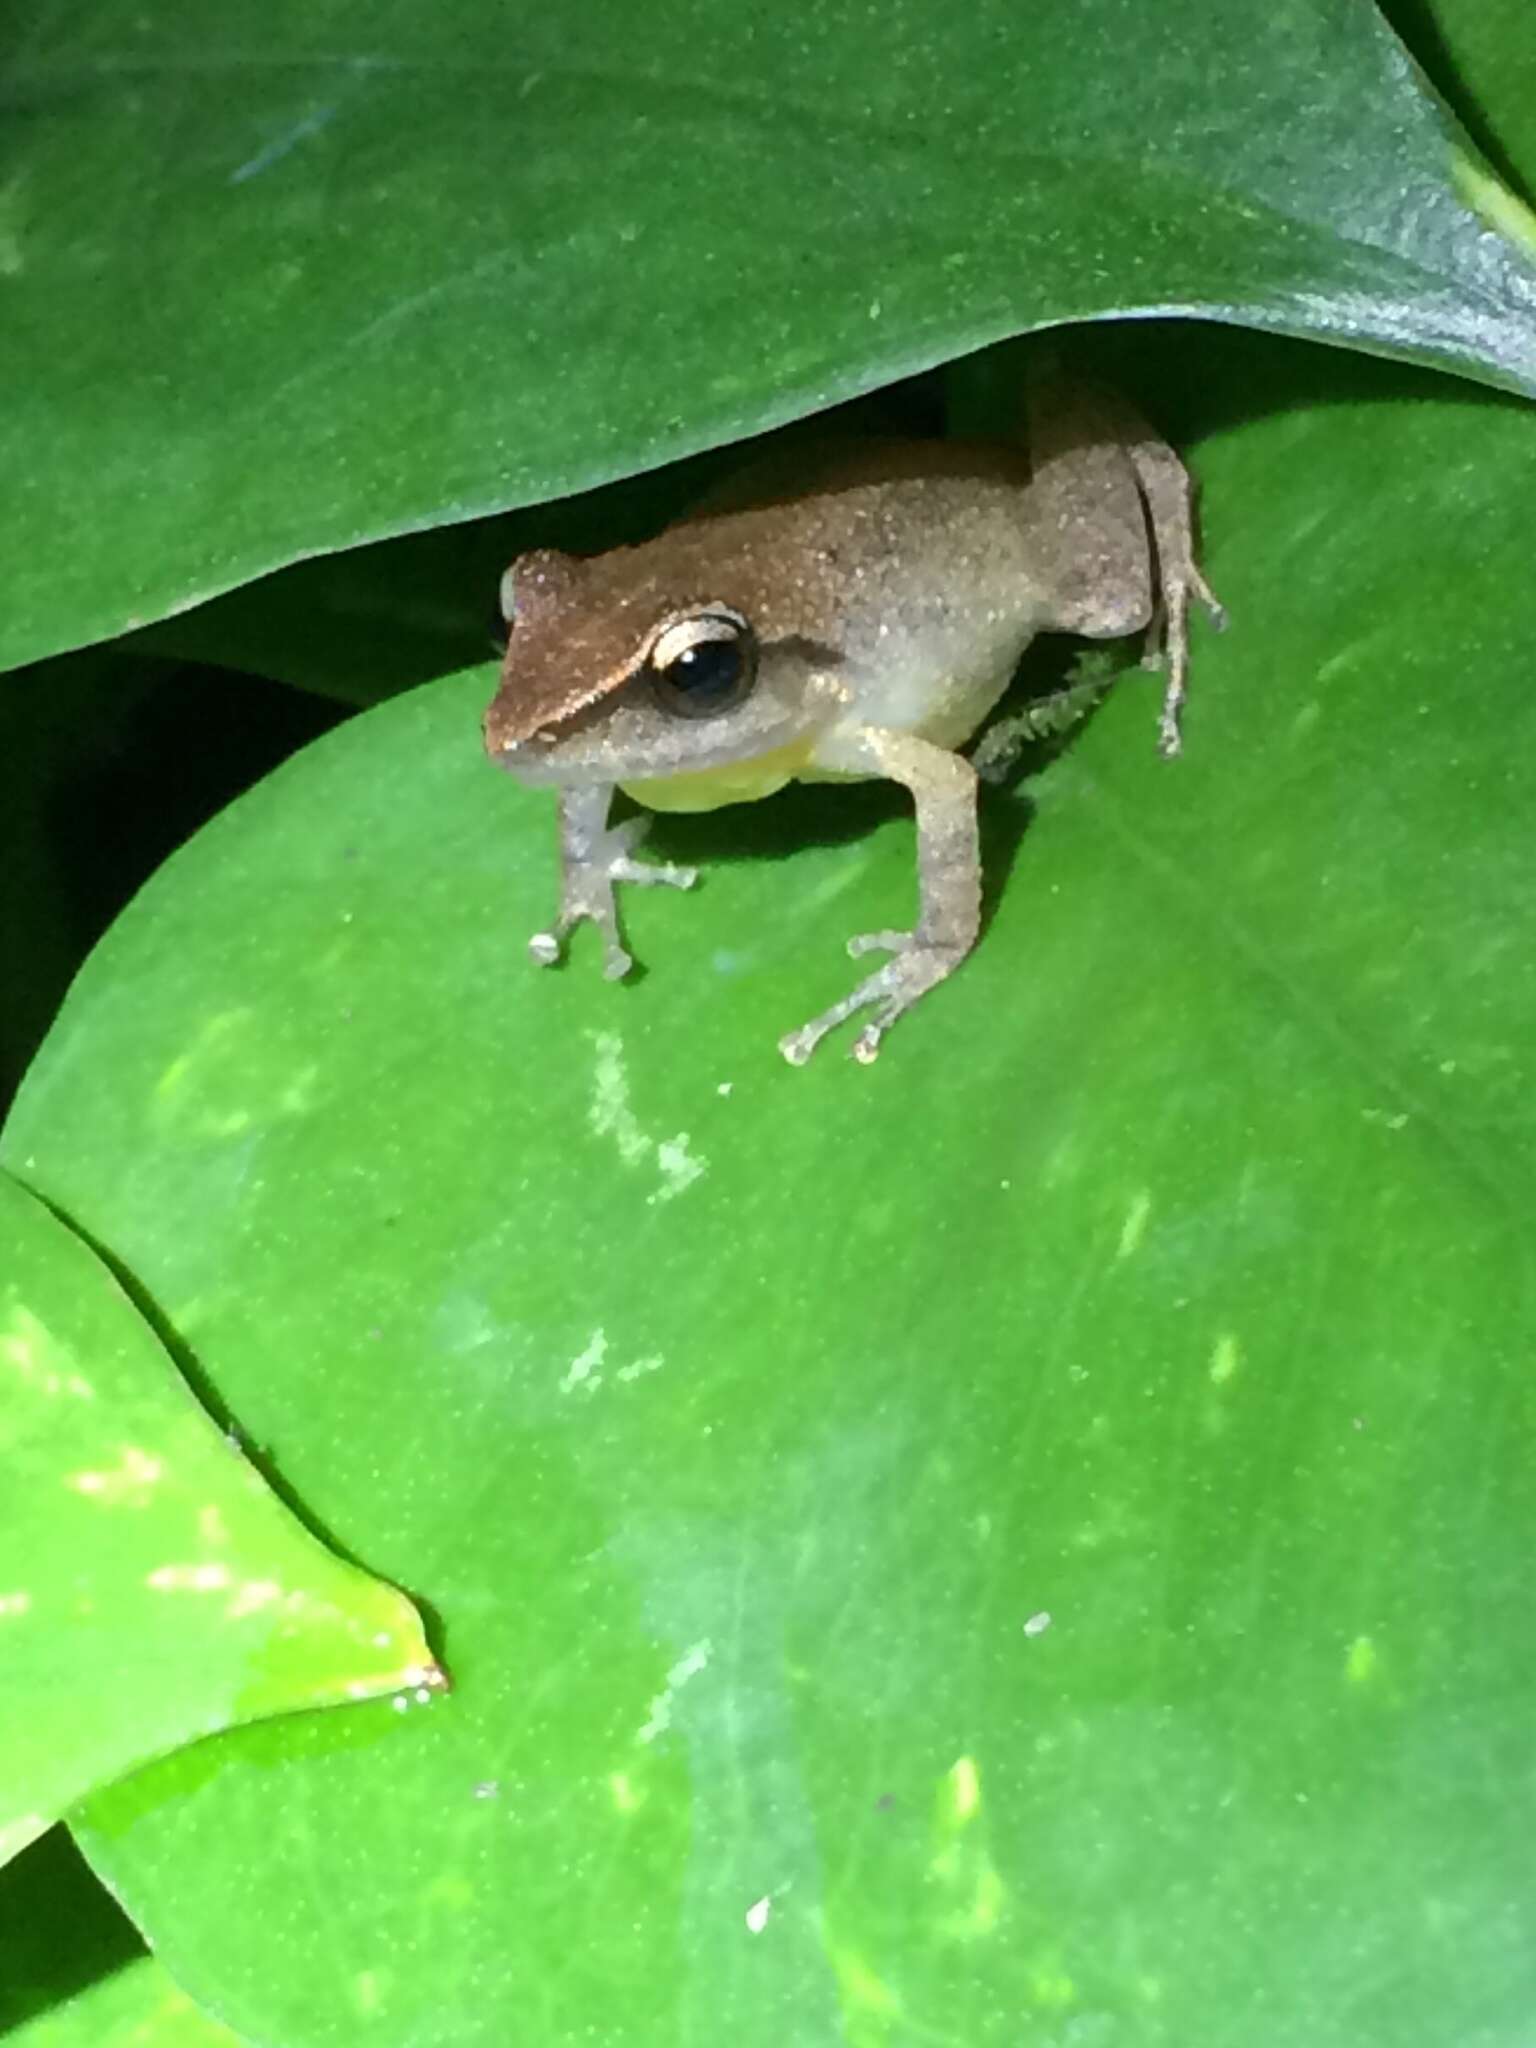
[(47, 1887), (94, 1988), (284, 278), (139, 2007), (152, 1588), (1025, 1542)]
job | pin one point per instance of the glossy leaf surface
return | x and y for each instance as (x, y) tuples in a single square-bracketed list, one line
[(152, 1588), (140, 2007), (282, 279), (1025, 1543)]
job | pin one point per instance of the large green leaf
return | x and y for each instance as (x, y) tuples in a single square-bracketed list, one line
[(1027, 1542), (73, 1977), (281, 278), (152, 1588), (140, 2007), (48, 1887)]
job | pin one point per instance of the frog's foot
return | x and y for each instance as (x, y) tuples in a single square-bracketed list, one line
[(1168, 640), (919, 965), (590, 870)]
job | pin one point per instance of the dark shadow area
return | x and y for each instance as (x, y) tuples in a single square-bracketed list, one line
[(1193, 378), (60, 1930), (107, 765)]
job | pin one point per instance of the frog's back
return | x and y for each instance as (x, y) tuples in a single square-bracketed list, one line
[(909, 562)]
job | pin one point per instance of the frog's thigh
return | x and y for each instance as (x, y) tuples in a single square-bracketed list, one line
[(1087, 534)]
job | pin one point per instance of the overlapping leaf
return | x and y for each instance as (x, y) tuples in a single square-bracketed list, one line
[(283, 279), (1027, 1538), (152, 1587)]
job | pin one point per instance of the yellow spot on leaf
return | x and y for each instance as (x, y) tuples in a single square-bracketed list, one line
[(189, 1578), (963, 1785), (980, 1915), (1226, 1356), (1492, 202), (1052, 1988), (1134, 1228), (44, 1365), (251, 1597), (369, 1987), (861, 1987), (1360, 1663), (625, 1798), (451, 1891), (129, 1483)]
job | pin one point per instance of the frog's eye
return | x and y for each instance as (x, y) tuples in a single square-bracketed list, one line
[(703, 665)]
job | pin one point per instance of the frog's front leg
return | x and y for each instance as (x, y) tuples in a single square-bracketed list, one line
[(593, 856), (943, 789)]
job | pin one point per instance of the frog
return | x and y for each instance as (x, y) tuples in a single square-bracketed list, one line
[(848, 611)]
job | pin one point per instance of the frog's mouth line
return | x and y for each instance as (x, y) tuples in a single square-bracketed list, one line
[(556, 755)]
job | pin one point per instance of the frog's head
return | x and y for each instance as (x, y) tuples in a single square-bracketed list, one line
[(616, 672)]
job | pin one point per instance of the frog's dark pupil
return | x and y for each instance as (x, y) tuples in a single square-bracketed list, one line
[(709, 669)]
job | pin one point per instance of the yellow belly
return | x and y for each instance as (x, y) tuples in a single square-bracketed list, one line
[(738, 782)]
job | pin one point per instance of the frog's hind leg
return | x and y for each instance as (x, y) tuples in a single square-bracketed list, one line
[(1168, 495), (1112, 525)]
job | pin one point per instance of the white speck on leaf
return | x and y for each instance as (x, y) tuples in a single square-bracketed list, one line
[(583, 1371), (280, 145), (12, 1604), (611, 1116), (680, 1168), (757, 1914), (659, 1715), (1037, 1624)]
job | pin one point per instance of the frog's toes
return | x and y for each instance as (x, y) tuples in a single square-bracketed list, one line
[(878, 942), (652, 874), (866, 1047)]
